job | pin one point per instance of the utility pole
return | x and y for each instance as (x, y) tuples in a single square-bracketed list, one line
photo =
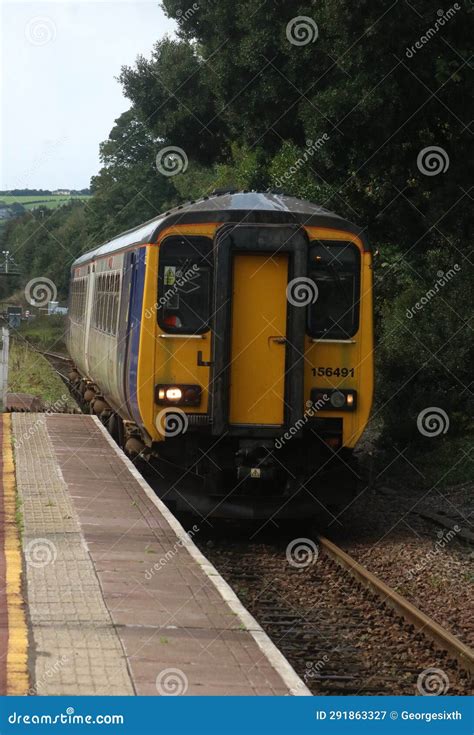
[(6, 254), (8, 267)]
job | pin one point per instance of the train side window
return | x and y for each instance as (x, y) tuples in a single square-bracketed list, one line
[(78, 315), (103, 291), (100, 294), (335, 269), (98, 302), (72, 308), (185, 285), (114, 284), (75, 308), (94, 310), (79, 301), (105, 296), (115, 301), (77, 305), (106, 302), (108, 313)]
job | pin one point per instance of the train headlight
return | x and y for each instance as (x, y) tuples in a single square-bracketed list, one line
[(178, 395), (173, 394), (333, 399)]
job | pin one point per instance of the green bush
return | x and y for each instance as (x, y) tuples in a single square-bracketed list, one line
[(423, 351)]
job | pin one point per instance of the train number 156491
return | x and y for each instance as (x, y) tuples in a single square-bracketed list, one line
[(330, 372)]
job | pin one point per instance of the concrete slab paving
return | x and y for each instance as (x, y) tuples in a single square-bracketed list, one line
[(119, 598)]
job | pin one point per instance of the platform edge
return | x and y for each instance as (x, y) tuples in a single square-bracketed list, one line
[(17, 652), (290, 678)]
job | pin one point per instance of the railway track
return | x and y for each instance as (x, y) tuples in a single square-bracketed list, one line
[(439, 635), (343, 630), (60, 363)]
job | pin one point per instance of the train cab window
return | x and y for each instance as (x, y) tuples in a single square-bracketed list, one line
[(335, 269), (185, 285)]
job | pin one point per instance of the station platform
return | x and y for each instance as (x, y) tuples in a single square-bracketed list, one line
[(107, 593)]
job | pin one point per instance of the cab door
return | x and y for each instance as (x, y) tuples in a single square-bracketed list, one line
[(258, 337), (258, 340)]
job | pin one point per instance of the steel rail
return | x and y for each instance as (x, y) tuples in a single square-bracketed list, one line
[(56, 356), (429, 627)]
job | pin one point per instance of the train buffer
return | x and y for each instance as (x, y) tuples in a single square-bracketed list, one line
[(105, 592)]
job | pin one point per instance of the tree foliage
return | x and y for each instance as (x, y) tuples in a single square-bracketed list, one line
[(343, 120), (127, 189)]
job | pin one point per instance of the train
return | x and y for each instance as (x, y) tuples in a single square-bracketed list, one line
[(231, 338)]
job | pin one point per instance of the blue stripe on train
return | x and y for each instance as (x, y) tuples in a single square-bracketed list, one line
[(136, 303)]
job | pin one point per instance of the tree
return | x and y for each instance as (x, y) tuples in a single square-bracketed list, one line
[(358, 82), (171, 95), (45, 242), (128, 189)]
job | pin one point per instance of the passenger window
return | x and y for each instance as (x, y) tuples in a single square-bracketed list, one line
[(335, 269), (185, 285)]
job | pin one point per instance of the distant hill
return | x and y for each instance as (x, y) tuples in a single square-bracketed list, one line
[(16, 202), (42, 192)]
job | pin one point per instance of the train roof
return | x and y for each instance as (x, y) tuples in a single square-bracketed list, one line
[(230, 206)]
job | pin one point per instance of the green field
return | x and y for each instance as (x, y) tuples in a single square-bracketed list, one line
[(50, 201)]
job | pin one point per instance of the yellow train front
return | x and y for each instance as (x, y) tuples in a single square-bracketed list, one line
[(232, 338)]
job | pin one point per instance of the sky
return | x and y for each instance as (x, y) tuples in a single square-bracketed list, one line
[(59, 92)]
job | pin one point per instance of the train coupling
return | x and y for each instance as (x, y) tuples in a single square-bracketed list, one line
[(256, 473), (254, 460)]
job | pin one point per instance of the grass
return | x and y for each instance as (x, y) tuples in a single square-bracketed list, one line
[(51, 201), (30, 372), (19, 520), (46, 333)]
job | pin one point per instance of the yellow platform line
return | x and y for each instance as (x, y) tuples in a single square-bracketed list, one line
[(17, 654)]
